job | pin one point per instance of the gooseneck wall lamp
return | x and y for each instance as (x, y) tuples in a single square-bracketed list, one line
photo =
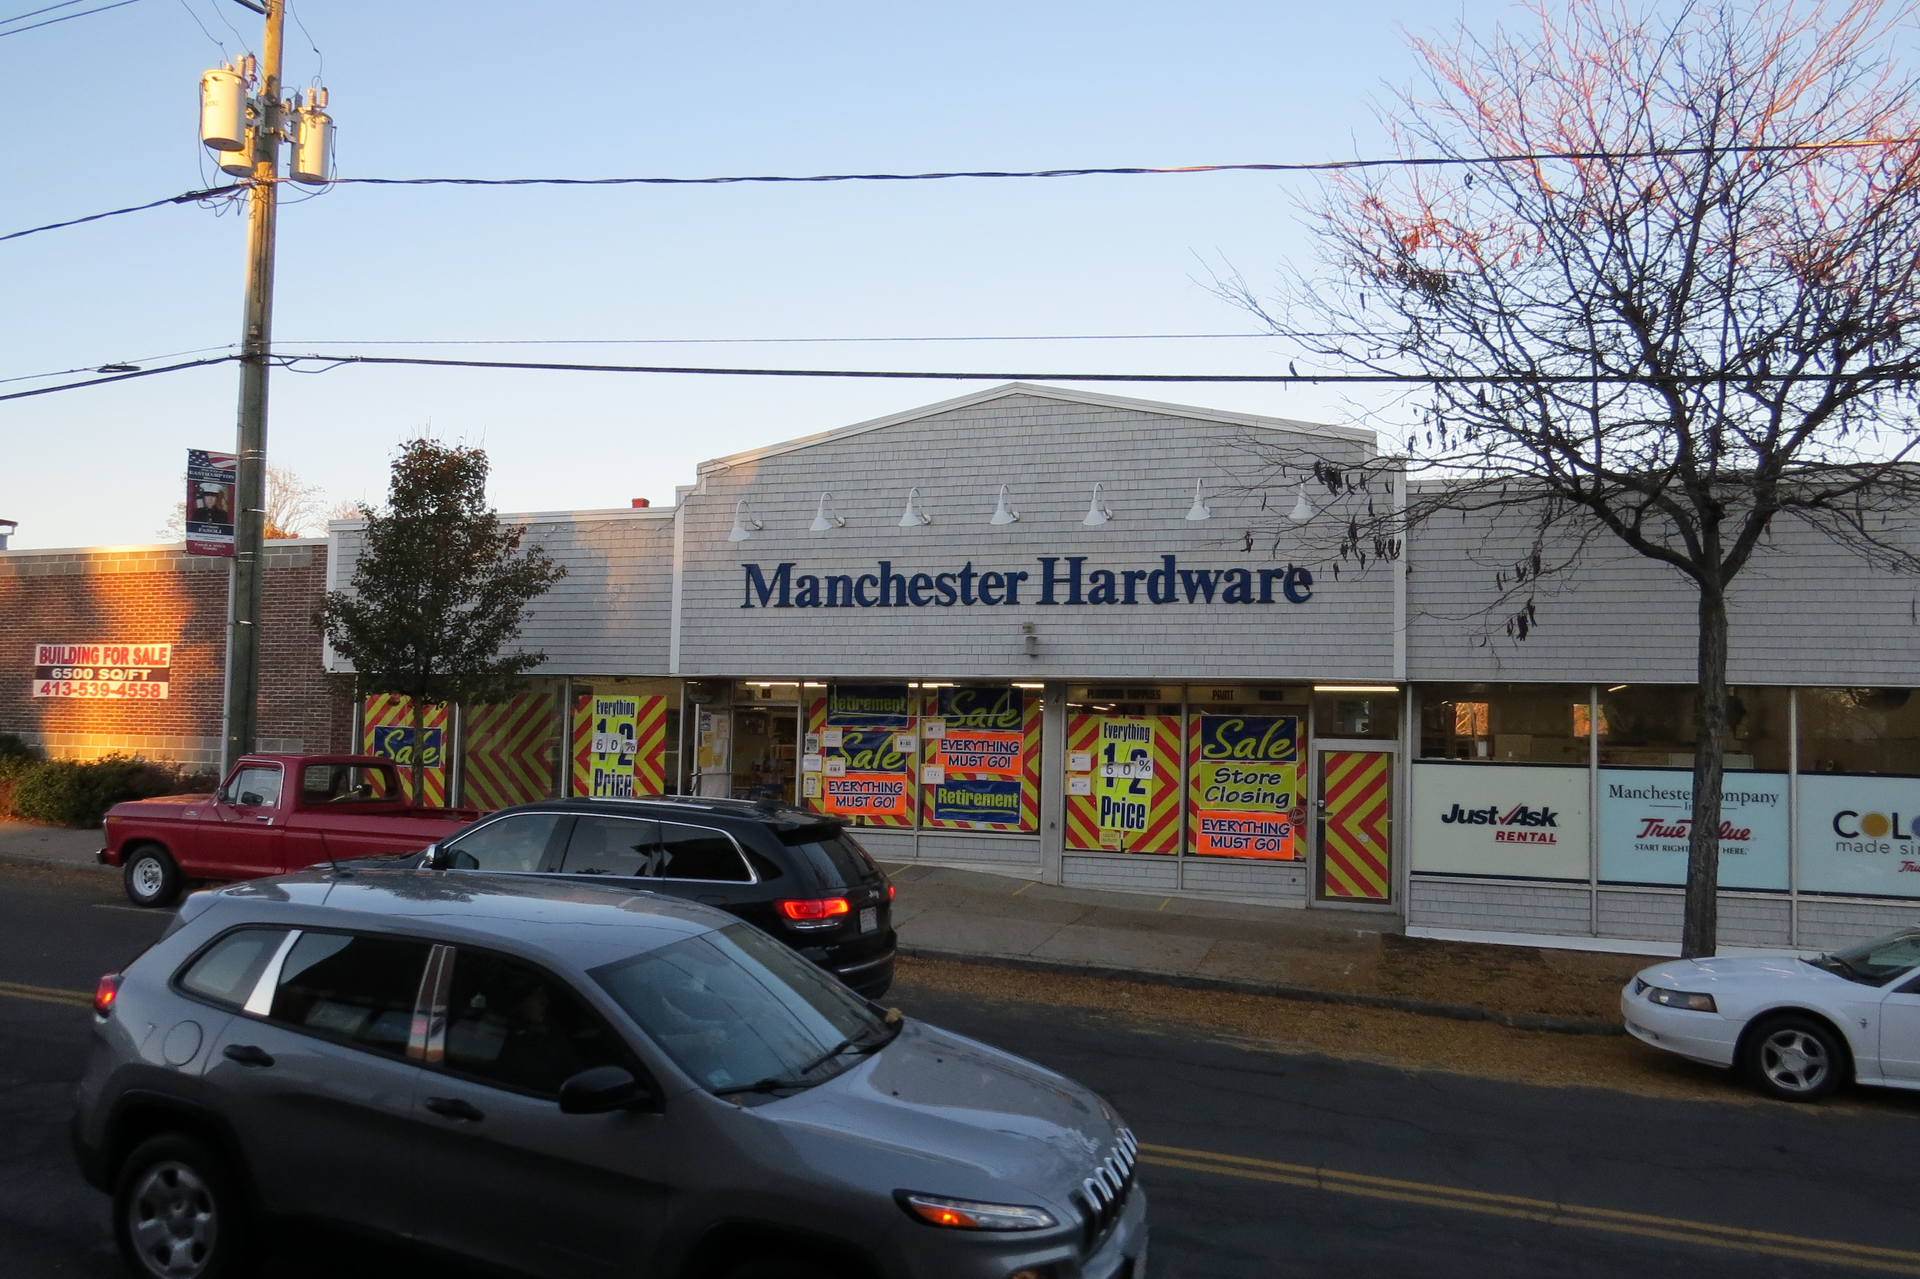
[(744, 525), (1004, 514), (1199, 510), (824, 517), (913, 516), (1097, 512), (1303, 509)]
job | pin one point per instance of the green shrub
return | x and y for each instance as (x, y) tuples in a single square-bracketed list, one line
[(67, 793), (15, 756)]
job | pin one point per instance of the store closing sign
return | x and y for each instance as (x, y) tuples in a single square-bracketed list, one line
[(1857, 835), (1646, 819), (1244, 785)]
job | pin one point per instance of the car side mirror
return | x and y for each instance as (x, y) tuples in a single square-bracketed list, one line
[(432, 858), (604, 1088)]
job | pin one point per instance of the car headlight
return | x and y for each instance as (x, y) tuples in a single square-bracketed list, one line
[(966, 1214), (1680, 999)]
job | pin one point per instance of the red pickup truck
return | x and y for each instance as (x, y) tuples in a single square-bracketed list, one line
[(276, 813)]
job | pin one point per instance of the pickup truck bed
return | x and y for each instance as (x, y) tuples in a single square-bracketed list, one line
[(276, 813)]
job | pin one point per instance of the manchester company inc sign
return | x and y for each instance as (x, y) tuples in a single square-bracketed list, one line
[(1055, 579)]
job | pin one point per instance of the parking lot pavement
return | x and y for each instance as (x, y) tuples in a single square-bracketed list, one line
[(1259, 1163), (50, 845)]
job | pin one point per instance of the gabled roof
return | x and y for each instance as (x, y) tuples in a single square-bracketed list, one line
[(1345, 434)]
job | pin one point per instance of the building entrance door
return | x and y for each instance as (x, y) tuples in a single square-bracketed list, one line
[(1355, 825)]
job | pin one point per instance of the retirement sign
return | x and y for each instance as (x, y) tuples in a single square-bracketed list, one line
[(978, 756), (1243, 785)]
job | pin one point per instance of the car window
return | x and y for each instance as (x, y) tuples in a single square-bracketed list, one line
[(354, 988), (347, 784), (227, 970), (699, 852), (613, 846), (517, 842), (510, 1024), (833, 854), (255, 786), (1881, 959), (734, 1007)]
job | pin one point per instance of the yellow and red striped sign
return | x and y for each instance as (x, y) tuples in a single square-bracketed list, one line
[(1356, 854), (1157, 830), (650, 746), (386, 730), (510, 751), (1028, 768)]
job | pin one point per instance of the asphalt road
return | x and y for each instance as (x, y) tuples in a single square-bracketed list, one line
[(1258, 1163)]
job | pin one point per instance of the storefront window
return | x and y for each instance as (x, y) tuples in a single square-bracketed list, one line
[(1359, 712), (625, 735), (766, 735), (980, 758), (513, 748), (861, 752), (1505, 723), (1123, 768), (1653, 726), (1860, 731)]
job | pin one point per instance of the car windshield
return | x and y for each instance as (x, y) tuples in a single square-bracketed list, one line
[(738, 1011), (839, 861), (1877, 961)]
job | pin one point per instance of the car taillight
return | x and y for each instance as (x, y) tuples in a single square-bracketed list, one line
[(818, 909), (889, 892), (105, 993)]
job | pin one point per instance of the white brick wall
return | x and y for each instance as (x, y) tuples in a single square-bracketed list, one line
[(1138, 873)]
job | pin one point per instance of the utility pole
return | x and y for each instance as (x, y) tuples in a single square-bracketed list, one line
[(256, 344)]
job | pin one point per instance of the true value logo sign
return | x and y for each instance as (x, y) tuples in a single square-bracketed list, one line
[(1056, 580)]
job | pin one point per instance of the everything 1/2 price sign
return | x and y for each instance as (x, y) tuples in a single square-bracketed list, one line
[(133, 672)]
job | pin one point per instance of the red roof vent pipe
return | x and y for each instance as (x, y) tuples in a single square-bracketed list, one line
[(640, 502)]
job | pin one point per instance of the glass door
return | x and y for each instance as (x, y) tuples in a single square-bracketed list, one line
[(1355, 823)]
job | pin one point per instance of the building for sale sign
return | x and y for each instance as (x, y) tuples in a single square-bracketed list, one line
[(114, 671)]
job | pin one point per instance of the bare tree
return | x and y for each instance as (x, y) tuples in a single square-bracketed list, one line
[(1682, 302)]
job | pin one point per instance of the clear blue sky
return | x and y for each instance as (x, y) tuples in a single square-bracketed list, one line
[(102, 112)]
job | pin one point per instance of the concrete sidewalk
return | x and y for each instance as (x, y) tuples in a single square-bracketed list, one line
[(1339, 955), (50, 845)]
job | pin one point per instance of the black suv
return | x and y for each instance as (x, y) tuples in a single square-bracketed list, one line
[(794, 874)]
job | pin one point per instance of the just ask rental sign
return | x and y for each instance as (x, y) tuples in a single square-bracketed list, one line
[(1050, 584)]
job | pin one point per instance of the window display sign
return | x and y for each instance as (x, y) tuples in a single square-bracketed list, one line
[(211, 481), (1513, 821), (612, 747), (1646, 816), (870, 706), (869, 753), (131, 672), (1244, 785), (1857, 835), (1131, 802), (982, 757)]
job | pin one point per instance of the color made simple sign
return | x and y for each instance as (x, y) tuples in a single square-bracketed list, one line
[(130, 672)]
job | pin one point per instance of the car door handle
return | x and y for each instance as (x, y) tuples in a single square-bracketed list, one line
[(454, 1108), (247, 1055)]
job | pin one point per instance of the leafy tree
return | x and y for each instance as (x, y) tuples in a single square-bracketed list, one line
[(440, 589), (1653, 280)]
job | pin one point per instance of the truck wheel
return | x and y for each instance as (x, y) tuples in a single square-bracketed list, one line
[(178, 1213), (150, 876)]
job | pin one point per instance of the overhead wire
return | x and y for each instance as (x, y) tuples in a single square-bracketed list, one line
[(1321, 166), (65, 17), (1010, 337), (34, 13), (183, 198)]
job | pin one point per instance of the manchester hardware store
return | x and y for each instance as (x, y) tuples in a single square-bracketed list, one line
[(1060, 635)]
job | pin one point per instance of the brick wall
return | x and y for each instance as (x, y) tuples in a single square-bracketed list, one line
[(161, 595)]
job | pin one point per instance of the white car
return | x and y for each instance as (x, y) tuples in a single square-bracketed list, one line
[(1799, 1028)]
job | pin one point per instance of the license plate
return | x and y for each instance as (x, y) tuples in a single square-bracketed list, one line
[(870, 919)]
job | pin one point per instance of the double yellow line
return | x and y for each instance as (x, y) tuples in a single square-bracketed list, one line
[(1831, 1252), (46, 994)]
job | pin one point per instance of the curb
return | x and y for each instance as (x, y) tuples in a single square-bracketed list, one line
[(1274, 990), (39, 859)]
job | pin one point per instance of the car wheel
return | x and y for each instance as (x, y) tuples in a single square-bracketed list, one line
[(151, 877), (1795, 1059), (177, 1213)]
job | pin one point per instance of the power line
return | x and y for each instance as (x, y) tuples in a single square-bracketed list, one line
[(123, 366), (118, 377), (209, 193), (65, 17), (1323, 166), (34, 13), (1320, 166), (1008, 337)]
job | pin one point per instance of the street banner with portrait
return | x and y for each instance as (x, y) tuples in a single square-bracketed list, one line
[(212, 479)]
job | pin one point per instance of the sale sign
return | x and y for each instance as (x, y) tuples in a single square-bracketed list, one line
[(1244, 786), (613, 747), (964, 750), (868, 794), (130, 672)]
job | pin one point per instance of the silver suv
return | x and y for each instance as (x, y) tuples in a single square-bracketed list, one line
[(566, 1079)]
